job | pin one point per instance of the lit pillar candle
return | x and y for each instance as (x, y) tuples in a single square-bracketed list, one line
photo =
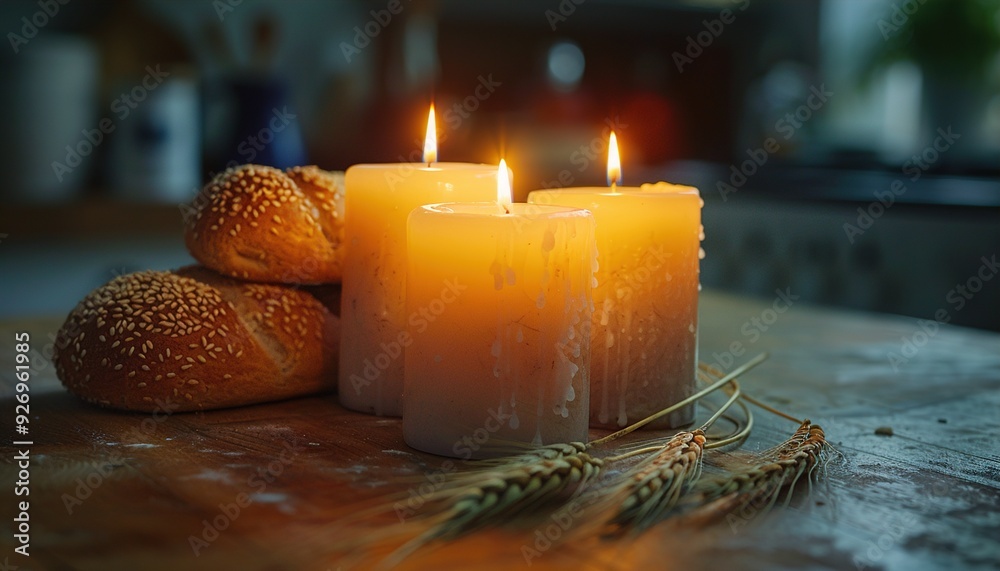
[(500, 348), (378, 199), (644, 335)]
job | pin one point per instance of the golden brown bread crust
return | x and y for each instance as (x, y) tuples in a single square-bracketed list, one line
[(257, 223), (196, 340)]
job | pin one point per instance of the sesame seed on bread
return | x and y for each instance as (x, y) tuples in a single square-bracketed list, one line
[(258, 223), (195, 339)]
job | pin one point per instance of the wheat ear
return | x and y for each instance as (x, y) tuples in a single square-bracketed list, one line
[(654, 486), (777, 469), (649, 490), (503, 492)]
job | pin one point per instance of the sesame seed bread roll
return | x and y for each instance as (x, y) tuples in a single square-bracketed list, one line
[(197, 340), (258, 223)]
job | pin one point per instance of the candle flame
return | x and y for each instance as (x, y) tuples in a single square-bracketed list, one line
[(431, 140), (614, 162), (503, 186)]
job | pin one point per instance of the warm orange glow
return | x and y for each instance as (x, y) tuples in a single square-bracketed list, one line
[(431, 140), (503, 185), (614, 162)]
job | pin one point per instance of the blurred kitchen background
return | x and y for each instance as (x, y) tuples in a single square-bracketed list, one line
[(789, 115)]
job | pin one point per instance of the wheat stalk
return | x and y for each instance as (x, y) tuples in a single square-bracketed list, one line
[(467, 500), (777, 469), (649, 490), (714, 386), (527, 482), (503, 492), (654, 486), (505, 488)]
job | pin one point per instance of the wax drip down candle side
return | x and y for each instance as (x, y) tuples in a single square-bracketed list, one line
[(378, 199), (644, 334), (507, 360)]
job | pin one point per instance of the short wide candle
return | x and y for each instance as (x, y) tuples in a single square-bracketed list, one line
[(379, 197), (644, 336), (501, 305)]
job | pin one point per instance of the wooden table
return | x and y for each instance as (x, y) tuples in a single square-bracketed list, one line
[(127, 491)]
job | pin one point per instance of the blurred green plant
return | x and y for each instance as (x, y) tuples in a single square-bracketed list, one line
[(950, 40)]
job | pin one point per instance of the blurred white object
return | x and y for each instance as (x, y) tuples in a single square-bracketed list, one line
[(48, 92), (156, 149)]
